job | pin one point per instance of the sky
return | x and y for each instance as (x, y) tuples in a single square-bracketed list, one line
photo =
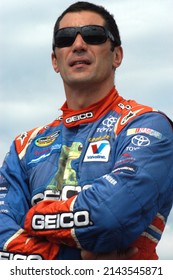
[(31, 93)]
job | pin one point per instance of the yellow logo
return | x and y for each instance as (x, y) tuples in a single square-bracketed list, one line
[(47, 140)]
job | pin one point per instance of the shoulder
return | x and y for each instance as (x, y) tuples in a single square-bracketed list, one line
[(131, 112), (23, 140)]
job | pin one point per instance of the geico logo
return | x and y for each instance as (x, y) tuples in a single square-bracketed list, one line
[(37, 198), (61, 220), (48, 195), (12, 256), (67, 192), (79, 117)]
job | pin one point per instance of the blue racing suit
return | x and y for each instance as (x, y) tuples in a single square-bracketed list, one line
[(99, 179)]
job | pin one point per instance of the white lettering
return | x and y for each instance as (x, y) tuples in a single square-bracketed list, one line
[(110, 179), (67, 192), (13, 256), (61, 220), (79, 117), (66, 220)]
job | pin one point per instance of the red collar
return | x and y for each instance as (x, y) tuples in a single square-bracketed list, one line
[(90, 113)]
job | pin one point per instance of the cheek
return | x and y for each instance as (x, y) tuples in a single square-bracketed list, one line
[(61, 56), (61, 63), (105, 62), (105, 56)]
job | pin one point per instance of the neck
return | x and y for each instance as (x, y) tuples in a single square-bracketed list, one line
[(83, 97), (91, 113)]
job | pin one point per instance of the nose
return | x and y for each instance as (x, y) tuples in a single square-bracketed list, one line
[(79, 44)]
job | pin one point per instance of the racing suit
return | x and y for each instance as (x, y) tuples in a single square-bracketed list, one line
[(98, 179)]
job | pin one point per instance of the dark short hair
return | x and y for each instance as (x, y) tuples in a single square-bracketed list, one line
[(110, 22)]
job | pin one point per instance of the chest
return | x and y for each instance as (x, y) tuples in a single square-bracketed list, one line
[(74, 159)]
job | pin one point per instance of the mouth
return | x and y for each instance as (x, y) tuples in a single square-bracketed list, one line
[(80, 62)]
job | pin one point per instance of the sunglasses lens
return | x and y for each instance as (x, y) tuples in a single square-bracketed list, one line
[(65, 37), (94, 35), (91, 34)]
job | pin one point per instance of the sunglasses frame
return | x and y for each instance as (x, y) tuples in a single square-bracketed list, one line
[(79, 30)]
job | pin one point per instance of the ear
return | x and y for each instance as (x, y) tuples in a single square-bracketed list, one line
[(117, 57), (54, 62)]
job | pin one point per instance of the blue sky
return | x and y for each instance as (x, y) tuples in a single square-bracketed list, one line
[(30, 91)]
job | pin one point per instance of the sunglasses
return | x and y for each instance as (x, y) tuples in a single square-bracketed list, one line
[(91, 34)]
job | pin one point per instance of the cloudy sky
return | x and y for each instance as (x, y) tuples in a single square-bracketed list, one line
[(30, 91)]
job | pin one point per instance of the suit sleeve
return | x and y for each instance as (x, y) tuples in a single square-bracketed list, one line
[(14, 204), (133, 199)]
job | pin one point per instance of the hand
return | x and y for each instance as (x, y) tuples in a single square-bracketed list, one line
[(126, 255), (27, 245)]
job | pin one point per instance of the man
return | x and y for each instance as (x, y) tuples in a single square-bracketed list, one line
[(98, 180)]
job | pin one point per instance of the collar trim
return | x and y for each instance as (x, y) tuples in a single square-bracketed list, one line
[(91, 113)]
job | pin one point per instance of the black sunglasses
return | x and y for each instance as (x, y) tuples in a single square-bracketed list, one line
[(91, 34)]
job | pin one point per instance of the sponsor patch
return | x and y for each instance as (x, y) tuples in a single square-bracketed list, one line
[(79, 117), (4, 186), (122, 106), (16, 256), (99, 138), (22, 137), (125, 169), (145, 130), (140, 140), (110, 179), (47, 140), (46, 153), (98, 151), (130, 115), (61, 220), (64, 194), (107, 124)]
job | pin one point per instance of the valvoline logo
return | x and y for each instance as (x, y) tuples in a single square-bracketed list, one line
[(98, 151), (97, 148)]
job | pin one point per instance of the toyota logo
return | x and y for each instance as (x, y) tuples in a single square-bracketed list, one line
[(109, 122), (140, 140)]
